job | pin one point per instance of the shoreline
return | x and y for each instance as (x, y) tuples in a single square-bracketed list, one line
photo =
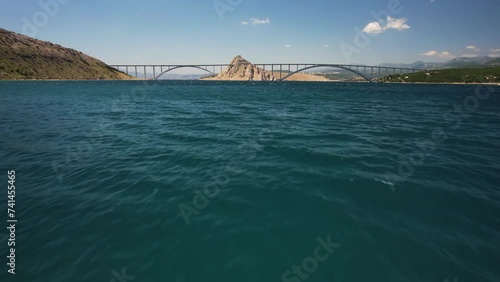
[(325, 81), (444, 83)]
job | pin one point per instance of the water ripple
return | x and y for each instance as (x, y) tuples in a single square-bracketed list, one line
[(101, 174)]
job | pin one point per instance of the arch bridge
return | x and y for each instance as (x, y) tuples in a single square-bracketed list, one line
[(280, 71)]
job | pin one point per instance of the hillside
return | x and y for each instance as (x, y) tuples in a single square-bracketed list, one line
[(465, 75), (23, 57)]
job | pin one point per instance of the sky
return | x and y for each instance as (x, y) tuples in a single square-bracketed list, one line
[(367, 32)]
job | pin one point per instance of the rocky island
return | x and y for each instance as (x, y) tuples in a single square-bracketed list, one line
[(242, 70)]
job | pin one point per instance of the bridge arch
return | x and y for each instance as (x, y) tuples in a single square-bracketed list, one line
[(179, 67), (332, 66)]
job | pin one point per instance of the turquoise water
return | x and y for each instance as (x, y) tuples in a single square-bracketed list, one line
[(349, 182)]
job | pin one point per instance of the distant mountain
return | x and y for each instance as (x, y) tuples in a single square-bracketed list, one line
[(465, 62), (169, 76), (460, 62), (23, 57), (415, 65), (495, 62)]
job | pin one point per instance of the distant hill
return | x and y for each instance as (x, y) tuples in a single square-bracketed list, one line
[(495, 62), (460, 62), (460, 75), (465, 62), (415, 65), (23, 57)]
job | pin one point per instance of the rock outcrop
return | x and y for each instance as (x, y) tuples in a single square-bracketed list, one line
[(242, 70), (23, 57)]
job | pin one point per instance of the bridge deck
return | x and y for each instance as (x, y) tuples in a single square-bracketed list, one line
[(285, 69)]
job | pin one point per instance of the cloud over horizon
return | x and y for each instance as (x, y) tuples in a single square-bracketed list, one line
[(469, 56), (495, 53), (391, 23)]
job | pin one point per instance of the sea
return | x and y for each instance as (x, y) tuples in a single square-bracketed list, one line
[(189, 181)]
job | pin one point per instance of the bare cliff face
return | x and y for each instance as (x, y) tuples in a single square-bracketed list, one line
[(242, 70)]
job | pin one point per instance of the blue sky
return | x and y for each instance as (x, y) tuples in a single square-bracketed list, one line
[(263, 31)]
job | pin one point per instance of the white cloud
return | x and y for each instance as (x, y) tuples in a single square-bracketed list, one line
[(446, 55), (430, 53), (373, 27), (494, 55), (495, 51), (288, 45), (440, 55), (473, 48), (398, 24), (244, 23), (326, 46), (391, 23), (256, 21)]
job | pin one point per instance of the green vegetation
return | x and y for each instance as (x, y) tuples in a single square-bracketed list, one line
[(22, 57), (466, 75)]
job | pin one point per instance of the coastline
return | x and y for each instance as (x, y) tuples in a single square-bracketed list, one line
[(212, 80), (445, 83), (222, 80)]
